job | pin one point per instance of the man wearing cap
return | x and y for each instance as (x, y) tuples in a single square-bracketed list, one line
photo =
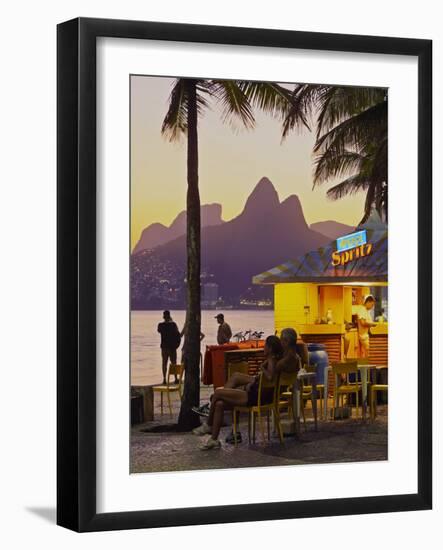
[(224, 331), (365, 322)]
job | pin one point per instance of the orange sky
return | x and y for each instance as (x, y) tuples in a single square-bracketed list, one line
[(230, 164)]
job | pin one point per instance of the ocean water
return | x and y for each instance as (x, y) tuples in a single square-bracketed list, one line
[(145, 340)]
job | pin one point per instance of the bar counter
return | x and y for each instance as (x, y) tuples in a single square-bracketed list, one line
[(333, 337)]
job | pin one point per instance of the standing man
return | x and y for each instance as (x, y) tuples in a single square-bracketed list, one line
[(224, 331), (365, 322), (170, 341)]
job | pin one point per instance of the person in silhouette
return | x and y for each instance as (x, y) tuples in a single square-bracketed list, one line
[(293, 352), (224, 332), (170, 341)]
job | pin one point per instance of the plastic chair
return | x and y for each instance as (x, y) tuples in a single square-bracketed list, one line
[(360, 361), (286, 383), (177, 372), (347, 387), (373, 390), (241, 367), (268, 408), (308, 393)]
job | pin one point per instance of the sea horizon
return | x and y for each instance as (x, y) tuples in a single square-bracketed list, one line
[(145, 340)]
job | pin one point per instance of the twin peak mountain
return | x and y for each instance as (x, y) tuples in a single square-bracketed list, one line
[(262, 202), (266, 233)]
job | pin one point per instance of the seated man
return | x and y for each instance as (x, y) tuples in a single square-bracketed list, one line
[(291, 361)]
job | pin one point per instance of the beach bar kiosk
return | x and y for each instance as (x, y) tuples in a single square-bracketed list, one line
[(319, 293)]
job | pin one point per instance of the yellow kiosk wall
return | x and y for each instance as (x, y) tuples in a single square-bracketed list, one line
[(290, 300), (300, 305)]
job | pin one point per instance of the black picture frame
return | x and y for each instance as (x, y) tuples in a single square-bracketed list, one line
[(76, 292)]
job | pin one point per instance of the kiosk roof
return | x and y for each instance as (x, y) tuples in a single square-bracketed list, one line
[(317, 267)]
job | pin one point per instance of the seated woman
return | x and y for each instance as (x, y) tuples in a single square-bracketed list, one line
[(240, 390)]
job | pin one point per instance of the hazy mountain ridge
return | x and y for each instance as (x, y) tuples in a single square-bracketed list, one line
[(266, 233), (158, 234), (332, 229)]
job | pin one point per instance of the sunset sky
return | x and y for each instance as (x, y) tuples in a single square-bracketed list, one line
[(231, 162)]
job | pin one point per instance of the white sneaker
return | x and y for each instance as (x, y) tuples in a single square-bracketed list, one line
[(202, 430), (210, 444)]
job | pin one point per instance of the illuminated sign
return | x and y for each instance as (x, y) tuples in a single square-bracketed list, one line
[(342, 258), (351, 241), (351, 247)]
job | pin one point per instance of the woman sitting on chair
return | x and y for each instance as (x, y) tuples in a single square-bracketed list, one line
[(240, 390)]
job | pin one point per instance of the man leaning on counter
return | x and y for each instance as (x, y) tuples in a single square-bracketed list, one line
[(364, 323)]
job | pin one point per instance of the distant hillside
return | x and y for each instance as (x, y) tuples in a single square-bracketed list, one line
[(267, 232), (158, 234), (332, 229)]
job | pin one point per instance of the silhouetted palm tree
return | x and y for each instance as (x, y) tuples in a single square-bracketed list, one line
[(189, 97), (351, 139)]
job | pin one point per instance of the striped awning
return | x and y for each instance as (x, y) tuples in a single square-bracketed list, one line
[(317, 267)]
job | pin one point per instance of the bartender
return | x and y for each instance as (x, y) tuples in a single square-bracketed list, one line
[(364, 323)]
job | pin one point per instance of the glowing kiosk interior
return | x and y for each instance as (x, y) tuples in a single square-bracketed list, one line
[(319, 293)]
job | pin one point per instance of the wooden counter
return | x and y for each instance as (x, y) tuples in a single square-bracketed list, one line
[(254, 357), (332, 336), (381, 328), (321, 329), (215, 359), (378, 348), (333, 341)]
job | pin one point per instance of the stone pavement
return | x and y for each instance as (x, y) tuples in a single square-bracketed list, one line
[(339, 441)]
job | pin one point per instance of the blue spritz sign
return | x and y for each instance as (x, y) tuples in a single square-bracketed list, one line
[(351, 241)]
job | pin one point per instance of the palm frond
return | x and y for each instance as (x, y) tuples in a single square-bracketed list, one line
[(342, 103), (380, 198), (327, 99), (351, 138), (175, 122), (349, 186), (382, 201), (332, 163), (380, 160), (234, 102), (270, 97), (304, 102), (356, 131), (369, 201)]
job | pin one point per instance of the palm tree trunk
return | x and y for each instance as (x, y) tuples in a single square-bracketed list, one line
[(191, 395)]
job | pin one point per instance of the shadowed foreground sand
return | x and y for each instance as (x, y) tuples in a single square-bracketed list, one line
[(338, 441)]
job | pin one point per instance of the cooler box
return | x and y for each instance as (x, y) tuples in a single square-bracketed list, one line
[(318, 356)]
